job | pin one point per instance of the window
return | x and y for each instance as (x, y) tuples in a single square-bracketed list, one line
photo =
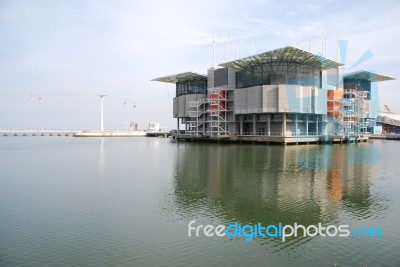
[(279, 72), (358, 84), (191, 87)]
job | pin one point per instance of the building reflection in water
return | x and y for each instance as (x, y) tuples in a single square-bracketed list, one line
[(272, 184)]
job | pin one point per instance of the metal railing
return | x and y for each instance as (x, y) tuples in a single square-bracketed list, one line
[(272, 134), (278, 134), (37, 132)]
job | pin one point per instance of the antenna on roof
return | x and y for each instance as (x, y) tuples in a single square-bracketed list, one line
[(227, 48), (252, 44), (214, 50), (239, 44), (337, 47)]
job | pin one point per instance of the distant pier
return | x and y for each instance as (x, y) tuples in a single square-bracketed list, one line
[(107, 133), (37, 133), (158, 134), (116, 133)]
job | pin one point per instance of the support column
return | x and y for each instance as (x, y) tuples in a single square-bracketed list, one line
[(177, 125), (306, 124), (284, 124), (316, 124), (269, 124), (295, 123), (241, 124), (254, 124)]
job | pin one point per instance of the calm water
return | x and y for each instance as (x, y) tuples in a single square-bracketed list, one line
[(127, 202)]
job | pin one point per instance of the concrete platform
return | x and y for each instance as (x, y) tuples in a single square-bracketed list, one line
[(263, 139), (386, 136), (344, 140), (158, 134), (283, 140), (110, 134)]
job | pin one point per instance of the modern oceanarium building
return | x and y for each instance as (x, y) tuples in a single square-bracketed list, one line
[(286, 95)]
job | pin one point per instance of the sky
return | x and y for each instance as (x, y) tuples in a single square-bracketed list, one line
[(56, 57)]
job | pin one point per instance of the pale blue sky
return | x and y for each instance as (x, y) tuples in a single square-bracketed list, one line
[(70, 51)]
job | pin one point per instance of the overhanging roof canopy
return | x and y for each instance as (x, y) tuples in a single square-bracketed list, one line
[(181, 77), (367, 75), (289, 53)]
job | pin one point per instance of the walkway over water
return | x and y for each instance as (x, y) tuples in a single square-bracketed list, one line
[(37, 132)]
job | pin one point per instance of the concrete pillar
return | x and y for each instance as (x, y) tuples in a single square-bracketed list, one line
[(295, 123), (177, 124), (284, 124), (254, 124), (269, 124), (241, 124), (316, 124), (306, 124)]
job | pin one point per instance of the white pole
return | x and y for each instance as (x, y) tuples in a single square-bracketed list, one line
[(214, 51), (337, 47), (102, 113), (226, 48), (252, 44)]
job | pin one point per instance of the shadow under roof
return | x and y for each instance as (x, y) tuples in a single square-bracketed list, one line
[(289, 54), (368, 75), (181, 77)]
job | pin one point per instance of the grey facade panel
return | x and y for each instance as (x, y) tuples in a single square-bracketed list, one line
[(240, 105), (231, 78), (220, 77), (321, 99), (281, 98), (175, 107), (332, 76), (181, 106), (254, 99), (302, 99), (210, 78), (270, 98)]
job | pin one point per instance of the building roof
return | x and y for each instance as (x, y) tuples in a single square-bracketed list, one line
[(367, 75), (289, 53), (181, 77)]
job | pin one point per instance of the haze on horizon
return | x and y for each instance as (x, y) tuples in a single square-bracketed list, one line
[(56, 57)]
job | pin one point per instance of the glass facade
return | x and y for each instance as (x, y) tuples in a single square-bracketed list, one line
[(279, 72), (191, 87), (358, 84)]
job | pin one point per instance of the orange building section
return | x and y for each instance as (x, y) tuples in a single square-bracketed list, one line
[(217, 95), (333, 102)]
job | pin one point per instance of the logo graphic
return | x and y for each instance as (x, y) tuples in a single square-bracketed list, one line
[(249, 232)]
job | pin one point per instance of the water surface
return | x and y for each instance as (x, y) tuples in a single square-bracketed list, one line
[(128, 201)]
